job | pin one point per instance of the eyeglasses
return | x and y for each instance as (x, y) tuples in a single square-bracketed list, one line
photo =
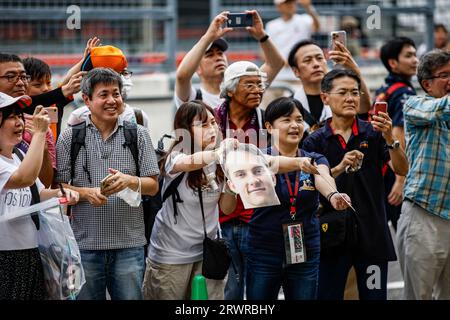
[(253, 86), (343, 94), (127, 74), (14, 78), (442, 76)]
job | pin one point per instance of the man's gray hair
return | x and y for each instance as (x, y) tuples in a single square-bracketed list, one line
[(229, 86), (97, 76), (430, 62)]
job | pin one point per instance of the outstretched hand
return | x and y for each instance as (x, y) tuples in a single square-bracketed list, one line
[(338, 203)]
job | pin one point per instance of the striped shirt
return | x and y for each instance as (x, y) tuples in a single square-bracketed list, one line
[(427, 133), (115, 225)]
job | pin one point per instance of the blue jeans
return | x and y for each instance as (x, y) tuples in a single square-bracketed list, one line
[(371, 277), (121, 271), (267, 272), (235, 234)]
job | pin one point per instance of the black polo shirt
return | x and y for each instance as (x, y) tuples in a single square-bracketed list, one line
[(365, 187)]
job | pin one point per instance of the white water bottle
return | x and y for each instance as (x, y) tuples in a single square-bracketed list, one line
[(210, 173)]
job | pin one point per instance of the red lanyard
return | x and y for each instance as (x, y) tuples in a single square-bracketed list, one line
[(293, 196)]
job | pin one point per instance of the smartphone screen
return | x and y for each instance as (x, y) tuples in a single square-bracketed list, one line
[(239, 20), (103, 183), (340, 36), (52, 114), (380, 107)]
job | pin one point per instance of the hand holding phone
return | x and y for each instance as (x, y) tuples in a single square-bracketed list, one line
[(104, 183), (52, 114), (340, 36), (239, 20), (380, 107)]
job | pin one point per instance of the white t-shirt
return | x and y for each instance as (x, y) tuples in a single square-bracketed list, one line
[(79, 115), (182, 242), (285, 34), (212, 100), (21, 233)]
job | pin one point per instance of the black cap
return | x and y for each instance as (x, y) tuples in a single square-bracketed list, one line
[(220, 43)]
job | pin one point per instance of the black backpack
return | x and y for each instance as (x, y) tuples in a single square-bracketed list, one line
[(151, 204)]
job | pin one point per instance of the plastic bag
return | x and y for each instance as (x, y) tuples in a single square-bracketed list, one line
[(133, 198), (60, 254)]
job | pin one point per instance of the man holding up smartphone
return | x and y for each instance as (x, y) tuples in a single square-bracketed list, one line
[(345, 140), (309, 65), (207, 58)]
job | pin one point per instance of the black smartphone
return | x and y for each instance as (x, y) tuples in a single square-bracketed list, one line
[(240, 20)]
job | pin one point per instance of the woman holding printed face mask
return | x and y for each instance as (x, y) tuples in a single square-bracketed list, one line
[(284, 240), (175, 252)]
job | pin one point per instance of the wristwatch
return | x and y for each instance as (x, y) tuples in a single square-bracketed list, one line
[(394, 145)]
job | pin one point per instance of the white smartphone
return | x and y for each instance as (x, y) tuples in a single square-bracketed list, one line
[(340, 36), (52, 114)]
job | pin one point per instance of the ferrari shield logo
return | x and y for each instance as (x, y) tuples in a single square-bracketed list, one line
[(325, 227)]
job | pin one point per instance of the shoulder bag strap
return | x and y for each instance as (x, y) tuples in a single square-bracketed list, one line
[(35, 197), (203, 211)]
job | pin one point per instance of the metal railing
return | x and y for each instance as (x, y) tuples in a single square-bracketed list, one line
[(140, 28), (393, 22)]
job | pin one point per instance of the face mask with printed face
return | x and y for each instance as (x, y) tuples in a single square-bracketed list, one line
[(127, 84)]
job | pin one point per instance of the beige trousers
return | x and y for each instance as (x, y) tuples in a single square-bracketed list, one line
[(423, 242), (173, 282)]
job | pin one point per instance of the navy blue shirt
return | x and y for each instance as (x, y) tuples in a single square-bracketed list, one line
[(365, 187), (397, 98), (265, 226)]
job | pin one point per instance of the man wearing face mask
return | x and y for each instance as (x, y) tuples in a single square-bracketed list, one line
[(110, 57)]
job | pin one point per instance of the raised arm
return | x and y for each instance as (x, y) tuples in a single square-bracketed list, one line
[(191, 60), (28, 171), (91, 43), (343, 57), (309, 9), (383, 123), (273, 59), (422, 111)]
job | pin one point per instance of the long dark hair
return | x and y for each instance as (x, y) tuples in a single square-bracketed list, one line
[(184, 118)]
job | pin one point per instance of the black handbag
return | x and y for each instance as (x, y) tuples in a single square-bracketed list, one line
[(216, 254)]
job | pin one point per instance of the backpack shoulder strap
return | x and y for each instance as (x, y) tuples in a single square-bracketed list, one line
[(173, 188), (35, 197), (130, 134), (385, 95), (78, 141), (198, 94), (139, 116), (394, 88)]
